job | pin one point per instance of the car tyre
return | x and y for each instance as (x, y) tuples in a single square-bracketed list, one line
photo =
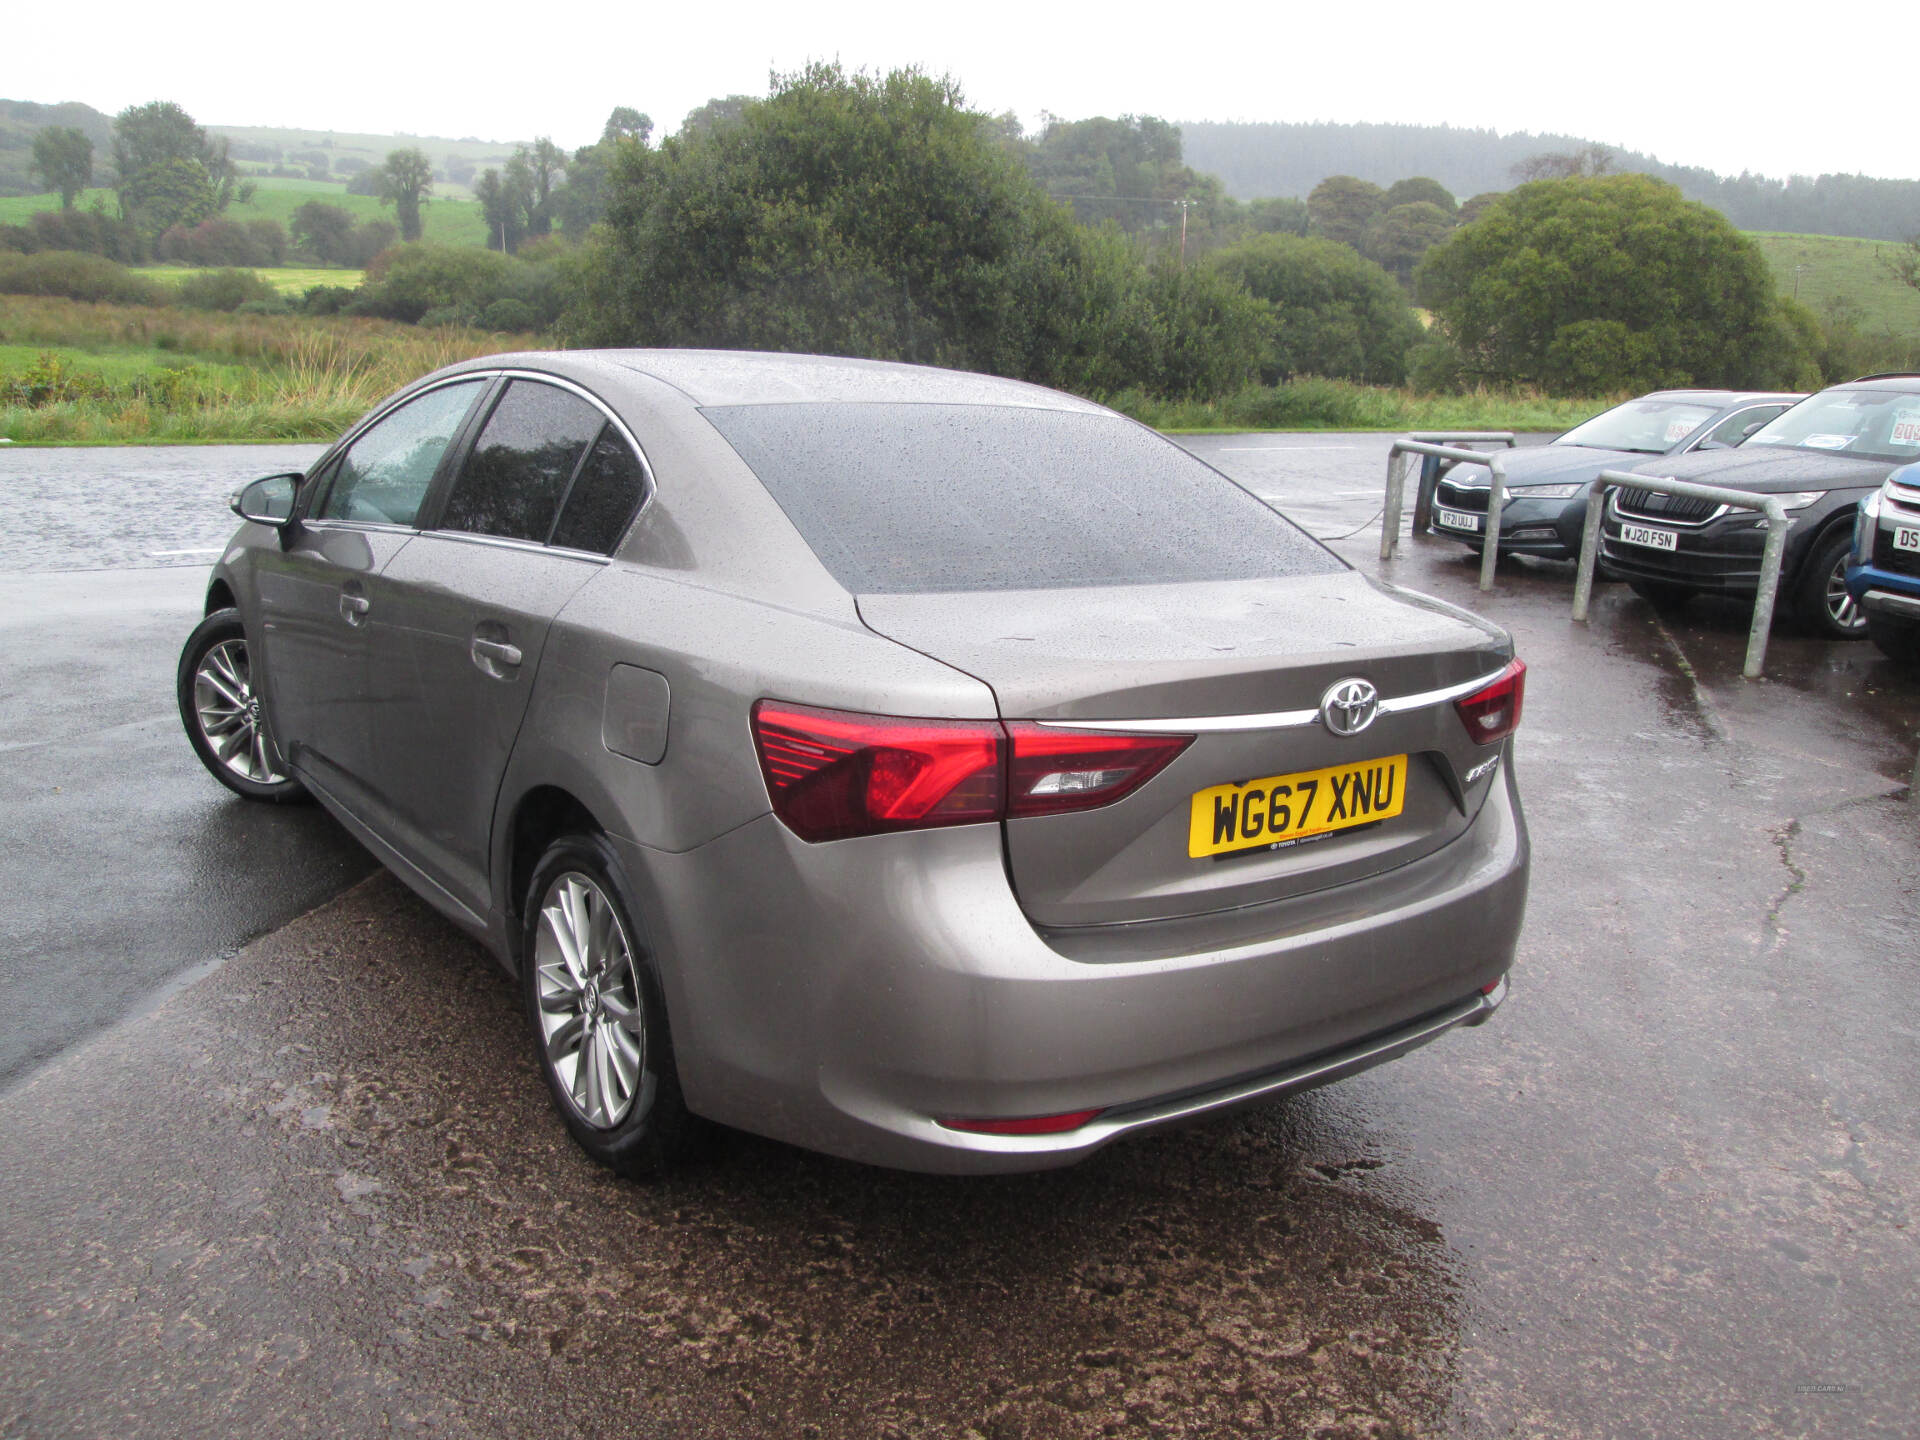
[(1821, 600), (1896, 639), (597, 1011), (220, 707), (1663, 595)]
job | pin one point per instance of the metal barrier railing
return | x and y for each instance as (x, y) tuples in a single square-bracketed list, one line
[(1421, 444), (1430, 466), (1778, 523)]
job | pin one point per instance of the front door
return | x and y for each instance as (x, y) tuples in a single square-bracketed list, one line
[(319, 593)]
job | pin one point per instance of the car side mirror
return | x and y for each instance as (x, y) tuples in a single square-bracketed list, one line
[(1715, 445), (268, 500)]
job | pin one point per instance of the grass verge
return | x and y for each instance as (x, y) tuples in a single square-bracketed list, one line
[(1313, 404), (77, 373)]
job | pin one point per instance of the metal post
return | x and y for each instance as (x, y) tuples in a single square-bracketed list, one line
[(1589, 548), (1397, 476), (1397, 462), (1423, 497), (1496, 498), (1763, 602), (1778, 523)]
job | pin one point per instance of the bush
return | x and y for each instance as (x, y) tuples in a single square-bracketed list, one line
[(326, 299), (82, 231), (1337, 314), (510, 315), (224, 290), (77, 277), (456, 285), (224, 243), (1617, 279)]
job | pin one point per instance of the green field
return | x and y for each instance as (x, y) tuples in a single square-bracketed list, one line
[(447, 221), (288, 279), (1820, 267)]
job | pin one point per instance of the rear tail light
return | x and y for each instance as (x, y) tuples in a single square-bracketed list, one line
[(1028, 1125), (1056, 770), (832, 774), (1493, 713)]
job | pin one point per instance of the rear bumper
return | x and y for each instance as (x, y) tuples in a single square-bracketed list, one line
[(849, 996)]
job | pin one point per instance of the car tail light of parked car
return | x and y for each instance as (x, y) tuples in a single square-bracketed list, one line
[(833, 775), (1494, 713)]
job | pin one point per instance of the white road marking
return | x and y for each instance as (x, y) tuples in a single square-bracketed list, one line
[(217, 549), (1241, 449)]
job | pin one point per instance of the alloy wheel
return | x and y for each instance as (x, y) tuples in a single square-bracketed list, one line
[(1841, 606), (592, 1021), (229, 715)]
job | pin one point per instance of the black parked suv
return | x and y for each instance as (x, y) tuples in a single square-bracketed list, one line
[(1821, 458)]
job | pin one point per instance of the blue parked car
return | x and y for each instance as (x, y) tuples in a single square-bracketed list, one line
[(1884, 574)]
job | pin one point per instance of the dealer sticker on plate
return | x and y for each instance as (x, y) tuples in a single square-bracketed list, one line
[(1281, 810), (1456, 519), (1648, 536)]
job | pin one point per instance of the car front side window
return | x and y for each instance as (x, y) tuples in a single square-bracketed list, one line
[(385, 473)]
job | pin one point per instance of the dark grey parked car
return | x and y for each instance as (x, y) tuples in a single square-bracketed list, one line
[(1547, 485), (927, 768), (1821, 459)]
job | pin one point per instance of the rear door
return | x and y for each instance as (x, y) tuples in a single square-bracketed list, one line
[(545, 494)]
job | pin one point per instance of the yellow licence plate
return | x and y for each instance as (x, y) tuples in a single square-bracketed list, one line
[(1283, 808)]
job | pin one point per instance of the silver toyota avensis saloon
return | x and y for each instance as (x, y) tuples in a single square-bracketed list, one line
[(926, 768)]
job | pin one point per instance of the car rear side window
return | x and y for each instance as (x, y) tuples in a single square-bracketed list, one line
[(513, 482), (605, 494), (385, 473), (924, 498)]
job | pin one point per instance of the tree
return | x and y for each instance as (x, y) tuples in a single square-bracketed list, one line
[(502, 208), (1904, 263), (1336, 313), (170, 172), (1418, 188), (324, 231), (861, 215), (1588, 161), (1587, 286), (1399, 237), (165, 194), (546, 165), (627, 123), (405, 181), (63, 157), (716, 114), (1341, 208), (1277, 215)]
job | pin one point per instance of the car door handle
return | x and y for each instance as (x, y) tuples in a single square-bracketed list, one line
[(494, 656), (353, 608)]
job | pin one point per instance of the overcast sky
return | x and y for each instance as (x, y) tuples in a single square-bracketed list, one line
[(1730, 87)]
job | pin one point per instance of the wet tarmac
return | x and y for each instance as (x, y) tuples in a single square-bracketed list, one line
[(128, 866), (1668, 1191)]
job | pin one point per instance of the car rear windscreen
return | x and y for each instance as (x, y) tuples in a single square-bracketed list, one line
[(924, 498)]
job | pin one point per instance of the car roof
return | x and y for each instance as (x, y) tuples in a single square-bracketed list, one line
[(1725, 397), (748, 377), (1895, 380)]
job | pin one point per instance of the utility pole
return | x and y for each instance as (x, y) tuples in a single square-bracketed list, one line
[(1183, 230)]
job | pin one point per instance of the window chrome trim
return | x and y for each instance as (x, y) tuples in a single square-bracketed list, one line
[(1274, 720), (488, 376)]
